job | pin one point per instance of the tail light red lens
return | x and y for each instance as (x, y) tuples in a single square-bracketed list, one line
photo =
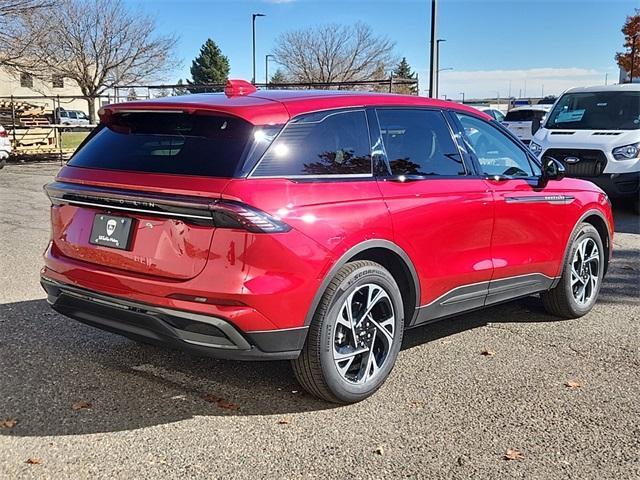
[(237, 215)]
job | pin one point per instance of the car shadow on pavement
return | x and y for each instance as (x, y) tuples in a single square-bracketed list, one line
[(49, 363), (625, 219)]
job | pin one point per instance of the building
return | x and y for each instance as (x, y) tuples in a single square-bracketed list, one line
[(41, 91)]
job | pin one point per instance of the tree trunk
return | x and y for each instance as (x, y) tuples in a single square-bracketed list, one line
[(91, 101)]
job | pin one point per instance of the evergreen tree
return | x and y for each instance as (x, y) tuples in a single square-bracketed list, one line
[(210, 66), (403, 72), (132, 95), (278, 77), (163, 92), (180, 89)]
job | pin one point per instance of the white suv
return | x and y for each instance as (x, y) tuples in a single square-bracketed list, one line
[(595, 132)]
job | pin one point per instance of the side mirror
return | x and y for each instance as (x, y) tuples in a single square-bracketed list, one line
[(552, 169)]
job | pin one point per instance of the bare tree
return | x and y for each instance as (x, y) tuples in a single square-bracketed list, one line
[(334, 53), (99, 44), (14, 37)]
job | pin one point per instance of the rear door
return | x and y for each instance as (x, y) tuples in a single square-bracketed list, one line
[(136, 196), (530, 220), (442, 212)]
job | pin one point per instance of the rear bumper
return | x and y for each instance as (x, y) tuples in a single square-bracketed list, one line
[(618, 185), (201, 334)]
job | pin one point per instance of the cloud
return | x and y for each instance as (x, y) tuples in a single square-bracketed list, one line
[(526, 82)]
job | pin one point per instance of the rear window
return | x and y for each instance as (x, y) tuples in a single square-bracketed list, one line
[(523, 115), (171, 143)]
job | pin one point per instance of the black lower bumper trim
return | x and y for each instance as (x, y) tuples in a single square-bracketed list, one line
[(618, 185), (202, 334)]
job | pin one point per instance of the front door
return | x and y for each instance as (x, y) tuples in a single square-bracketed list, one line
[(530, 219), (442, 213)]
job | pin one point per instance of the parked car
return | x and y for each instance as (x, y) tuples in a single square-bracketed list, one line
[(312, 226), (524, 122), (492, 112), (71, 117), (595, 132), (5, 146)]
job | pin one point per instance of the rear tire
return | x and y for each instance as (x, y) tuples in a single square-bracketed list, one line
[(349, 353), (582, 274)]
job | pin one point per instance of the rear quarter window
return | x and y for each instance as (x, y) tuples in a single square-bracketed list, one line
[(320, 144), (170, 143)]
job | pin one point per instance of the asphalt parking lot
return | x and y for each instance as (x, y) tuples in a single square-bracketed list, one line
[(447, 411)]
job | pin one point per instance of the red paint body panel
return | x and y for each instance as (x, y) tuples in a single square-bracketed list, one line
[(445, 226), (454, 231)]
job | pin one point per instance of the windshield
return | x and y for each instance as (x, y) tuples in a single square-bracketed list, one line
[(174, 143), (596, 111)]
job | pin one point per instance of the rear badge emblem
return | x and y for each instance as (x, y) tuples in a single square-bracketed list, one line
[(111, 226), (572, 159)]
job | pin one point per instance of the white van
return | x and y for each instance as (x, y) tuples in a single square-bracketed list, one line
[(595, 132)]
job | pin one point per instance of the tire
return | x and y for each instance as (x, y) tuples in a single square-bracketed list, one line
[(349, 381), (564, 300)]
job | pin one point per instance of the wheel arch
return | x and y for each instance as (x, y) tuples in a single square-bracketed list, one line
[(391, 257), (599, 222)]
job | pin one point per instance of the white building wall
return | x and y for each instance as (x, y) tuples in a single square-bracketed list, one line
[(10, 85)]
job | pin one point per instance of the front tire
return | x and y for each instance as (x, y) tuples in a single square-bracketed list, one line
[(582, 274), (355, 335)]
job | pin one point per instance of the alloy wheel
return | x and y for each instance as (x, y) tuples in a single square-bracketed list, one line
[(364, 333), (585, 271)]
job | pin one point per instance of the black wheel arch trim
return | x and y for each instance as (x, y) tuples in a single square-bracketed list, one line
[(580, 221), (352, 252)]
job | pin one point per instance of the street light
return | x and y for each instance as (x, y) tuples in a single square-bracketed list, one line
[(433, 61), (266, 68), (253, 24), (445, 69)]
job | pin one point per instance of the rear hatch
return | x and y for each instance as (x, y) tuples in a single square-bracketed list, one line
[(138, 195), (523, 123)]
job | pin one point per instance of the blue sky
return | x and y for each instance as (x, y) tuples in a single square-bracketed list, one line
[(491, 45)]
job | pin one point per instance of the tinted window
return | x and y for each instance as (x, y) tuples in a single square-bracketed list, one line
[(324, 143), (174, 143), (495, 151), (72, 114), (519, 116), (597, 111), (418, 142)]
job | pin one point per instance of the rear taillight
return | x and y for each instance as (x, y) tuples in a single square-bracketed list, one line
[(3, 134), (237, 215), (193, 210)]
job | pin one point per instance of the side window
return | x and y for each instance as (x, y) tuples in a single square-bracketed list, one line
[(495, 151), (323, 143), (418, 142), (72, 115)]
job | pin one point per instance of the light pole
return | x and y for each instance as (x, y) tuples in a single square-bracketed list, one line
[(266, 68), (462, 93), (633, 56), (440, 40), (253, 25), (433, 57), (445, 69)]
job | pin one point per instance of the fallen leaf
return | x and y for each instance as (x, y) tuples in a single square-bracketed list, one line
[(283, 421), (220, 402), (379, 451), (81, 404), (33, 461), (9, 422), (209, 397), (513, 454), (417, 402), (487, 352), (573, 384), (228, 405)]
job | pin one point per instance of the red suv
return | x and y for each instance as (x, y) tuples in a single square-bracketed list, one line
[(312, 226)]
